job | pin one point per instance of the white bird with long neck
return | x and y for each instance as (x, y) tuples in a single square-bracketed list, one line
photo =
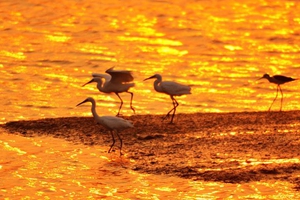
[(170, 88), (109, 122), (278, 80), (118, 81)]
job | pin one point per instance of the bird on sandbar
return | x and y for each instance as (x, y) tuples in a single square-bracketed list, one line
[(109, 122), (278, 80), (172, 89), (116, 81)]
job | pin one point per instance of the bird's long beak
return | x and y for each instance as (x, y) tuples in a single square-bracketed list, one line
[(260, 78), (81, 102), (88, 82), (149, 78)]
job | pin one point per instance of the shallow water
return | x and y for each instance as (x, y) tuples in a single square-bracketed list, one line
[(45, 167), (220, 48), (50, 48)]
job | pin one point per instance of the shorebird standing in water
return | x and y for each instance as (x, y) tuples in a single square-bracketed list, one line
[(116, 81), (170, 88), (278, 80)]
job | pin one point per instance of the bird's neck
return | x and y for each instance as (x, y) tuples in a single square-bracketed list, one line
[(272, 80), (100, 85), (95, 115), (157, 85)]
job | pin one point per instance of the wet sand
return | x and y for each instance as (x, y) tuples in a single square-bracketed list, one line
[(229, 147)]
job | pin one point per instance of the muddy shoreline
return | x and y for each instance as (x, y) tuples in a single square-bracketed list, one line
[(226, 147)]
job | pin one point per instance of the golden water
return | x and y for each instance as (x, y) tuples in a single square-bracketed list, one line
[(220, 48), (49, 168)]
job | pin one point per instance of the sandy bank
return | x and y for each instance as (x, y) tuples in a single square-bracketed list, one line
[(229, 147)]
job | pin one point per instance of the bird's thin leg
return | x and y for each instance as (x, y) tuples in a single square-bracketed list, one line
[(131, 102), (121, 143), (176, 105), (275, 97), (111, 146), (120, 104), (281, 97)]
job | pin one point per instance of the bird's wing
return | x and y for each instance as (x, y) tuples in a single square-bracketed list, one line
[(173, 88), (105, 76), (117, 123), (283, 79), (119, 76)]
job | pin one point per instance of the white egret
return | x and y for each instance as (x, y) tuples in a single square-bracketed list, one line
[(118, 81), (278, 80), (109, 122), (170, 88)]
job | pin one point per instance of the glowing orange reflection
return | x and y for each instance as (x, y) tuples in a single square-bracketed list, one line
[(16, 55), (58, 37), (219, 52)]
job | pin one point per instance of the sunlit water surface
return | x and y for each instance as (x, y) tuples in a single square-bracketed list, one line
[(47, 168), (220, 48), (50, 48)]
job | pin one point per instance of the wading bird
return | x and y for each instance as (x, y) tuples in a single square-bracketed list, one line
[(116, 81), (109, 122), (170, 88), (278, 80)]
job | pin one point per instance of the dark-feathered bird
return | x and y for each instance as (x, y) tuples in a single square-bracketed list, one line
[(278, 80)]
